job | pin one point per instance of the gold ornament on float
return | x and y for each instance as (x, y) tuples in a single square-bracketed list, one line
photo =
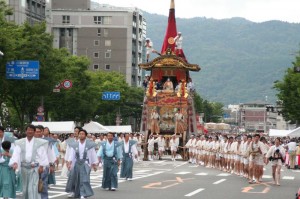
[(171, 40)]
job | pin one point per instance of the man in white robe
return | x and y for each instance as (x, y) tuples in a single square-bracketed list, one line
[(81, 157), (31, 156), (51, 158), (129, 153)]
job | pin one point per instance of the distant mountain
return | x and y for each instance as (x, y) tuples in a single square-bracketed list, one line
[(239, 59)]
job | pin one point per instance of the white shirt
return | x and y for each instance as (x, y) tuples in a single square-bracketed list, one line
[(149, 47), (81, 149), (178, 42), (41, 154), (190, 86), (151, 142), (174, 142), (91, 154), (160, 141), (189, 144), (29, 147), (133, 148), (292, 146)]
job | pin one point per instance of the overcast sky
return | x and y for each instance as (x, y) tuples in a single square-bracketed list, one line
[(254, 10)]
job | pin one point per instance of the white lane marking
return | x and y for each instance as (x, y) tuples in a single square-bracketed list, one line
[(194, 192), (194, 166), (182, 173), (54, 191), (142, 171), (224, 174), (179, 165), (201, 174), (162, 161), (56, 187), (266, 176), (288, 178), (219, 181)]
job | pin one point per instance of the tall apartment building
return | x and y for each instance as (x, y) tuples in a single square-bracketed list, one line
[(113, 38), (28, 10)]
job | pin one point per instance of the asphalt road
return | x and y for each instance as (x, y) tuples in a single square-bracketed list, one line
[(177, 180)]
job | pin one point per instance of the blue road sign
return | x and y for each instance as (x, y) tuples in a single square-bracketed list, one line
[(111, 96), (23, 69), (226, 115)]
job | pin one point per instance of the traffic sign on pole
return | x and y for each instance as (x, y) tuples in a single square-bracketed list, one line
[(111, 96), (67, 84), (23, 70)]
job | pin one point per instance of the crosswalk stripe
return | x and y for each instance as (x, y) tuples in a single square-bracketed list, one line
[(58, 189), (266, 176), (288, 178)]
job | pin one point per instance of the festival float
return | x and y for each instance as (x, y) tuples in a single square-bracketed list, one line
[(167, 95)]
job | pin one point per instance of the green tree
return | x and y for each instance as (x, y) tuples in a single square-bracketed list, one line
[(289, 93), (78, 102), (213, 111), (129, 105)]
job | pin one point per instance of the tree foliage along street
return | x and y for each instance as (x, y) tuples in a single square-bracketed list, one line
[(289, 93), (213, 111)]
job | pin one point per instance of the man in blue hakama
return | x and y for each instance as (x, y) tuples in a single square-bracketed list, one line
[(7, 174), (110, 154), (81, 157), (129, 152)]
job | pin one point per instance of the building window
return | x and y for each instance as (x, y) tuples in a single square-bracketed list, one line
[(96, 67), (70, 32), (99, 32), (96, 42), (108, 54), (105, 32), (107, 42), (106, 20), (65, 19), (133, 78), (97, 19), (38, 9), (62, 32), (107, 67), (96, 54)]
